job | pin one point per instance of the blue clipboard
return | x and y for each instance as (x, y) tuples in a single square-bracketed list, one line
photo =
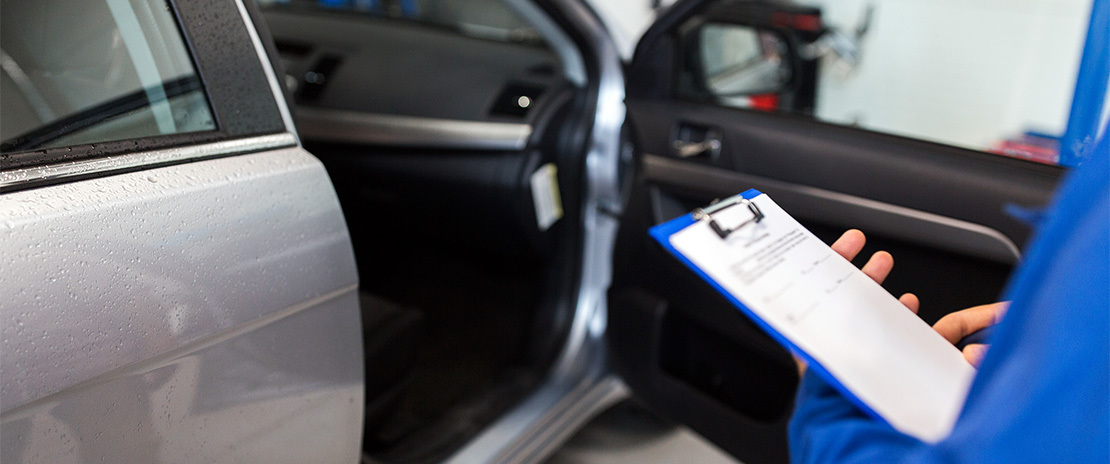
[(662, 234)]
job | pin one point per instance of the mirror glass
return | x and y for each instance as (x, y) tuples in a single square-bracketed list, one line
[(740, 60)]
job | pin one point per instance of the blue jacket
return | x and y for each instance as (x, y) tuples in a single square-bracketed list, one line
[(1042, 394)]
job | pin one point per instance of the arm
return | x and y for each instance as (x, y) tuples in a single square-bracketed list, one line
[(826, 428), (1041, 394)]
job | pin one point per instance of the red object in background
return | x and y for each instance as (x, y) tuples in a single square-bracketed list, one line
[(765, 102), (1031, 147), (800, 22)]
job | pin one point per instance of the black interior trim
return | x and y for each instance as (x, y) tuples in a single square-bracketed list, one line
[(915, 174), (838, 209), (453, 76)]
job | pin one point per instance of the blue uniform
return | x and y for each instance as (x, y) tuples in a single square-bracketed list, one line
[(1043, 391)]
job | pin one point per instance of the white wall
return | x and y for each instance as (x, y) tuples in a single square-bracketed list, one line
[(966, 72), (627, 20)]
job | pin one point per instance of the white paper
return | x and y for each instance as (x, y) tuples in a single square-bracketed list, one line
[(545, 196), (885, 355)]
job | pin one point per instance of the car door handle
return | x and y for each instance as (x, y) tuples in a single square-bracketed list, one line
[(686, 149)]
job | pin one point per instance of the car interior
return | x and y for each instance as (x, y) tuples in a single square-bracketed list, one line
[(465, 294)]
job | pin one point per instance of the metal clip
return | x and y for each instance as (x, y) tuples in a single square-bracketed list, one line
[(706, 214)]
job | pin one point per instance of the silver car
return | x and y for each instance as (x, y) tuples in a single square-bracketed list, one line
[(459, 270)]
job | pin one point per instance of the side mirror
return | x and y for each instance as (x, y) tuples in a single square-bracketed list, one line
[(739, 60)]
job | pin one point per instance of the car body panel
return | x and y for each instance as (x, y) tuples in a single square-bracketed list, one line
[(203, 303)]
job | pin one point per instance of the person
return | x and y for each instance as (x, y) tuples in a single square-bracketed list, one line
[(1042, 393)]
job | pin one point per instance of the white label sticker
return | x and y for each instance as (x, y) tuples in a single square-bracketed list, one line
[(545, 196)]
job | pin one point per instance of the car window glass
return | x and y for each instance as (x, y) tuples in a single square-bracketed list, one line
[(990, 75), (78, 72), (484, 19)]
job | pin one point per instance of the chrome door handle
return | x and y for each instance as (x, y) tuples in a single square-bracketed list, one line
[(686, 149)]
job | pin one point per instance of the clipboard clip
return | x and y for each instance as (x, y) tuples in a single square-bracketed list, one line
[(706, 214)]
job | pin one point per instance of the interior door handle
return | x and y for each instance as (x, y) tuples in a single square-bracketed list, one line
[(685, 149)]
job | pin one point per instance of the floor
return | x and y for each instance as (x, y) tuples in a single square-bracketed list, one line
[(468, 365), (628, 433)]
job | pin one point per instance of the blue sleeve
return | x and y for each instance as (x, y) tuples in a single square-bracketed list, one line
[(827, 428), (1043, 391)]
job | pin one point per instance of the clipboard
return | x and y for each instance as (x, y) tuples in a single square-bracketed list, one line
[(808, 298)]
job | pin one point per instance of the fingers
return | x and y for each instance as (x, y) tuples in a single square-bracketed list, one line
[(960, 324), (974, 353), (910, 301), (849, 244), (801, 364), (879, 266)]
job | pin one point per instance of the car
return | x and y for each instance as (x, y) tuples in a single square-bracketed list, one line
[(415, 231)]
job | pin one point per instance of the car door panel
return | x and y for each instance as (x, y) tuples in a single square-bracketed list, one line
[(684, 350), (180, 297), (914, 174), (159, 308), (976, 260), (695, 361), (914, 198)]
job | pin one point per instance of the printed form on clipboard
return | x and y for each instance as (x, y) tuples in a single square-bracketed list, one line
[(853, 332)]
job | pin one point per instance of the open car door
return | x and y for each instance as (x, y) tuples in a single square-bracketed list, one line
[(707, 121)]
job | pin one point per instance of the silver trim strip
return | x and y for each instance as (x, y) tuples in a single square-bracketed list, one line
[(410, 131), (575, 410), (847, 210), (60, 171), (275, 84)]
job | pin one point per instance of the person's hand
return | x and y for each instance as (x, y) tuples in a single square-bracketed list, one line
[(955, 326), (877, 268)]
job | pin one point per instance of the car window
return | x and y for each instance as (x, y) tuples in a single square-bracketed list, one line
[(484, 19), (989, 75), (80, 72)]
